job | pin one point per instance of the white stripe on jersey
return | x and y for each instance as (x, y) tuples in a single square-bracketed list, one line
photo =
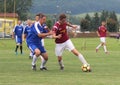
[(36, 27), (55, 27)]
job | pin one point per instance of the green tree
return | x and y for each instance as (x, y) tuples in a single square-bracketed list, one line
[(113, 15), (21, 7), (49, 23), (88, 22), (84, 25), (104, 15), (87, 17), (112, 25), (95, 22)]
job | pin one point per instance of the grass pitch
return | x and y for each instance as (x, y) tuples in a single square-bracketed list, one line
[(16, 69)]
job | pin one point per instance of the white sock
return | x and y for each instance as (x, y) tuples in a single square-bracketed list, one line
[(31, 54), (82, 59), (41, 58), (34, 60), (105, 49), (98, 46), (61, 63), (43, 63)]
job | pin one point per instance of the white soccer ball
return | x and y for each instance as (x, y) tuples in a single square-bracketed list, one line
[(86, 68)]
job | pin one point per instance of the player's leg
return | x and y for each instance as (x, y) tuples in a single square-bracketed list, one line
[(60, 61), (103, 40), (58, 51), (105, 48), (21, 48), (99, 45), (44, 59), (35, 56), (36, 53), (30, 55), (70, 47), (80, 56), (17, 44)]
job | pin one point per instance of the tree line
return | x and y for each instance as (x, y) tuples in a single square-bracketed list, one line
[(92, 23), (89, 23)]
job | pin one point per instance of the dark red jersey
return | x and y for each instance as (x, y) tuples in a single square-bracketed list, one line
[(102, 31), (60, 29)]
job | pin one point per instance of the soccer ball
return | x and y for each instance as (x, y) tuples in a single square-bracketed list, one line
[(86, 68)]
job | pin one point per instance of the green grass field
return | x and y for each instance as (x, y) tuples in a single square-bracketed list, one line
[(16, 69)]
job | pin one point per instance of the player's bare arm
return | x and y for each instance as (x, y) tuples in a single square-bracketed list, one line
[(13, 35), (45, 34), (54, 36), (74, 27), (98, 33)]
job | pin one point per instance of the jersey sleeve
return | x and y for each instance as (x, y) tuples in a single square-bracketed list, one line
[(55, 28), (25, 30), (45, 28), (37, 31)]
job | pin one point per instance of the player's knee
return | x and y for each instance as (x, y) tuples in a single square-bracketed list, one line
[(59, 58), (103, 44), (37, 53), (46, 58), (75, 52)]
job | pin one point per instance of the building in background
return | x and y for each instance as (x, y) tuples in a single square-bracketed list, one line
[(7, 23)]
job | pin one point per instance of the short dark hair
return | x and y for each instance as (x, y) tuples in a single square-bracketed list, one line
[(62, 16), (41, 15)]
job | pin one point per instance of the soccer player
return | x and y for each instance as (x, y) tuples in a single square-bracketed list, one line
[(101, 32), (26, 31), (18, 35), (63, 42), (34, 43), (37, 17)]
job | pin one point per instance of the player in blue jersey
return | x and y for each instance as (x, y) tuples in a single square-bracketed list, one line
[(34, 43), (26, 31), (18, 34)]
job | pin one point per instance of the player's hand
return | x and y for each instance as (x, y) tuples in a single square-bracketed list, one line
[(74, 27), (12, 37), (59, 36), (50, 33)]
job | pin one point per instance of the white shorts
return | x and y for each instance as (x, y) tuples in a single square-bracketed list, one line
[(102, 39), (62, 46)]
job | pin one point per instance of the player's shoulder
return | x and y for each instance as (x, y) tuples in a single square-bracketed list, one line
[(15, 26), (100, 27), (57, 23)]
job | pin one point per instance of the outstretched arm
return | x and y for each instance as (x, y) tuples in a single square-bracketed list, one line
[(70, 25), (45, 34)]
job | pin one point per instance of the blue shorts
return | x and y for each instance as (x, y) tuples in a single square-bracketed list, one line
[(18, 39), (32, 47)]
